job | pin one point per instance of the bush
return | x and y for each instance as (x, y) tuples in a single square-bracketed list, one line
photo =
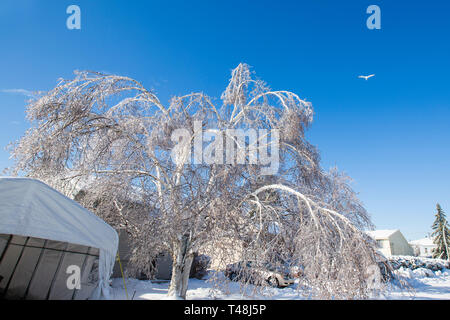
[(200, 266), (414, 263)]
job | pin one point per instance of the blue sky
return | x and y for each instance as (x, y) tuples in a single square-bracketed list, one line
[(391, 133)]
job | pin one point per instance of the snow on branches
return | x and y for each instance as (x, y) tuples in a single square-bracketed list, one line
[(113, 142)]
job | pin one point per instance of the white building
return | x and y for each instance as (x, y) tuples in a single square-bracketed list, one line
[(423, 247), (391, 242)]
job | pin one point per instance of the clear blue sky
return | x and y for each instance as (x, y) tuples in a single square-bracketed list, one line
[(391, 133)]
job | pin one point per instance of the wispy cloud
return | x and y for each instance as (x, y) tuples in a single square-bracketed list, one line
[(24, 92)]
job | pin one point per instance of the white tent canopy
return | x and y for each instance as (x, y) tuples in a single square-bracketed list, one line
[(30, 208)]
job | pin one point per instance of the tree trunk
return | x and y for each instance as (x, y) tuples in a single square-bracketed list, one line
[(182, 262)]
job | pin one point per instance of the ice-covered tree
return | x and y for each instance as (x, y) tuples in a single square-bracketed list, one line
[(441, 235), (137, 165)]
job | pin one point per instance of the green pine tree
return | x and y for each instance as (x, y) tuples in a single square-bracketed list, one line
[(441, 235)]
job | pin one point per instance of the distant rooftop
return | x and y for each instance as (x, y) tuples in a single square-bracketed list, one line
[(381, 234), (423, 242)]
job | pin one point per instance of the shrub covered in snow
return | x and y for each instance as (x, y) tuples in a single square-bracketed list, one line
[(416, 273), (414, 263)]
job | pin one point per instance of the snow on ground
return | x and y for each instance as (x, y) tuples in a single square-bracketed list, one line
[(198, 290), (424, 284)]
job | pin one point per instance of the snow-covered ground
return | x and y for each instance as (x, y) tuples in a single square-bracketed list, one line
[(424, 284)]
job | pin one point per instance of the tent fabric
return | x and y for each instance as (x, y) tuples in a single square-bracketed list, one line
[(31, 208), (36, 269)]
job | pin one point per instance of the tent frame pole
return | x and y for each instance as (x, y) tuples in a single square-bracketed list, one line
[(35, 269), (6, 248), (83, 267), (15, 267), (57, 271)]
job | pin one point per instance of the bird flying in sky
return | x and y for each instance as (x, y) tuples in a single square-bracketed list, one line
[(366, 77)]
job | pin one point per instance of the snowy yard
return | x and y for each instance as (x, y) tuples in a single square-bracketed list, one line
[(424, 283), (427, 285)]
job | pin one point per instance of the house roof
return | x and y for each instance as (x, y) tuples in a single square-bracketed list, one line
[(423, 242), (381, 234)]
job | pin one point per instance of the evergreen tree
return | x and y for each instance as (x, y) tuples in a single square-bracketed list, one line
[(441, 235)]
